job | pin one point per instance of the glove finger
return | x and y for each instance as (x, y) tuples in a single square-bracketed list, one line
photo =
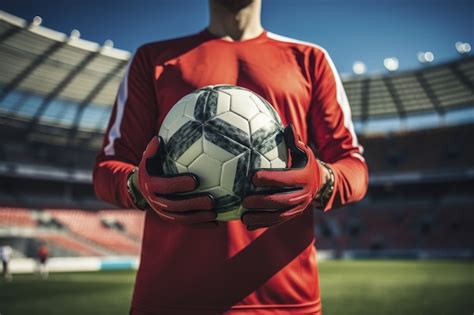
[(277, 201), (151, 148), (295, 210), (182, 203), (299, 154), (171, 185), (191, 217), (279, 178), (262, 218)]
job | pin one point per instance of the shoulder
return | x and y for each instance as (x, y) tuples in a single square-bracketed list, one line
[(154, 49), (300, 45), (318, 55)]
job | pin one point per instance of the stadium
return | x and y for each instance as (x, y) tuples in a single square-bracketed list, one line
[(414, 226)]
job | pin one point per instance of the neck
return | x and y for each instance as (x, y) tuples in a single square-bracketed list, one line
[(235, 24)]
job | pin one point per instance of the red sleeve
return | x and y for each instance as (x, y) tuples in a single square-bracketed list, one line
[(332, 133), (131, 126)]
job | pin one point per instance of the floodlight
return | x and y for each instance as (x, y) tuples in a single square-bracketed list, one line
[(391, 64)]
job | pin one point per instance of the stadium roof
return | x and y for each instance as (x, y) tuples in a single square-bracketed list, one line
[(50, 78)]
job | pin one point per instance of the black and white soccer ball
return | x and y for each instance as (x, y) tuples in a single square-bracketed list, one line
[(221, 133)]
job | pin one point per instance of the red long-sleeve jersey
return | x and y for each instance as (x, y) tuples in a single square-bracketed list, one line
[(229, 269)]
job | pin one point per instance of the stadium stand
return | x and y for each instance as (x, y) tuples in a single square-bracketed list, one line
[(397, 228), (16, 217), (68, 243), (131, 220), (87, 225), (55, 101), (77, 232), (428, 149)]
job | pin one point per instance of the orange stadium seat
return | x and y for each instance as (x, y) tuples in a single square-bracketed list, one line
[(16, 217), (87, 225), (69, 243)]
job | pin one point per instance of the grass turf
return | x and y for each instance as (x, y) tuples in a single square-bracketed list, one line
[(348, 287)]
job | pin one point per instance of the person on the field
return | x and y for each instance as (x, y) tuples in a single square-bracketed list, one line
[(5, 256), (42, 255), (266, 262)]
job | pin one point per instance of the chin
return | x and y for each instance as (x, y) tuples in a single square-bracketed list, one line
[(234, 5)]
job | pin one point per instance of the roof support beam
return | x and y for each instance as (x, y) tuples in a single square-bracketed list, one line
[(88, 99), (396, 98), (29, 69), (364, 102), (462, 77), (9, 33), (58, 89), (425, 85)]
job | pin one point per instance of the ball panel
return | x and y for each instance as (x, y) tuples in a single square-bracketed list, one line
[(261, 106), (192, 153), (201, 105), (224, 142), (234, 90), (211, 105), (270, 109), (223, 103), (202, 167), (190, 105), (242, 104), (217, 152), (262, 121), (164, 132), (228, 172), (181, 168), (269, 142), (177, 124), (264, 162), (241, 181), (179, 142), (255, 158), (175, 115), (274, 150), (283, 152), (232, 133), (278, 163), (235, 120), (272, 154), (169, 167)]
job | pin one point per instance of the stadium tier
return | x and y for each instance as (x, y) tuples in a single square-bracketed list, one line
[(50, 79), (425, 227), (375, 228), (88, 226), (55, 101), (437, 149), (73, 232)]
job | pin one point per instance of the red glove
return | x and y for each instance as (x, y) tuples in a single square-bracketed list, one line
[(287, 192), (161, 191)]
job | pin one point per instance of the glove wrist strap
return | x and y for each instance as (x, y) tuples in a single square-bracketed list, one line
[(325, 192), (138, 200)]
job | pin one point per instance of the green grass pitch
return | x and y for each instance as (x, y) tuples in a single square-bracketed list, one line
[(348, 287)]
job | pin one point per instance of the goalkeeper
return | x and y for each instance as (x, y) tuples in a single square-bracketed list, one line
[(266, 262)]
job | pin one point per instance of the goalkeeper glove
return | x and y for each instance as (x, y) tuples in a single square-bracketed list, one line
[(287, 192), (162, 192)]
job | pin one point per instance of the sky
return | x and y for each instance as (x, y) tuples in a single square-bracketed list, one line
[(350, 30)]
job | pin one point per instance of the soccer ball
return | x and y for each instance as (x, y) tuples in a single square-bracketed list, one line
[(221, 133)]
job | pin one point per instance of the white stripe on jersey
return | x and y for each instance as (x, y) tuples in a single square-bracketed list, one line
[(340, 92), (114, 132)]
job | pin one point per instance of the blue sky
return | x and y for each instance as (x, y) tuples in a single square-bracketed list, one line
[(350, 30)]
